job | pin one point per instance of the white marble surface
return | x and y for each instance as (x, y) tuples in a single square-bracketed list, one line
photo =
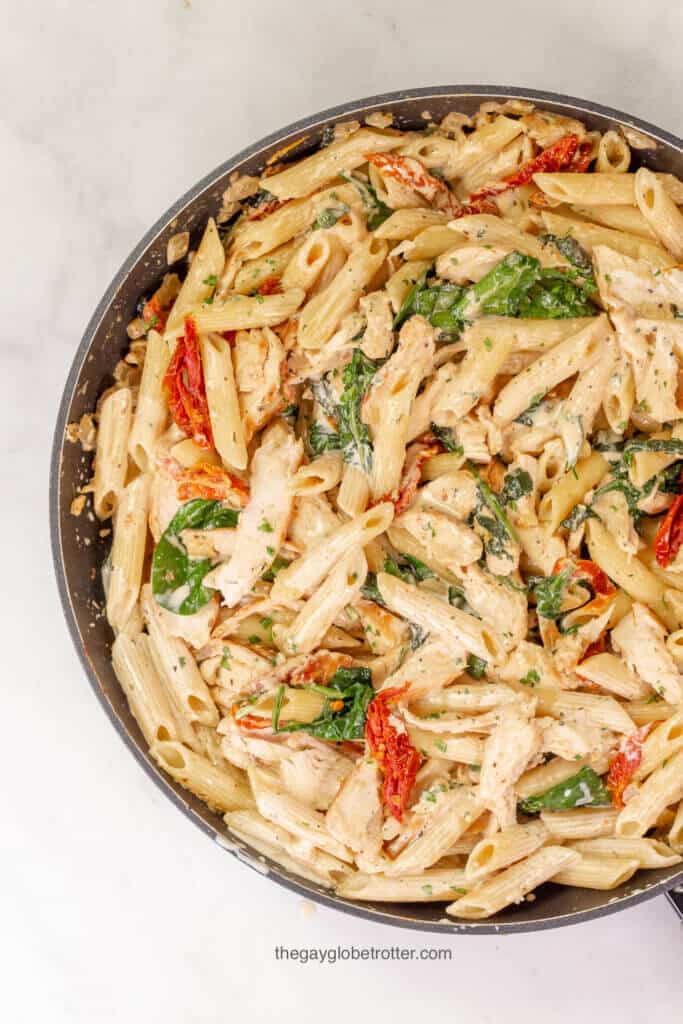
[(113, 908)]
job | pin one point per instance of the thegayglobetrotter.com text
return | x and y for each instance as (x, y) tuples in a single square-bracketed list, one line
[(342, 954)]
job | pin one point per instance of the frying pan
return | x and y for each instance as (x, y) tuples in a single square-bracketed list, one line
[(78, 550)]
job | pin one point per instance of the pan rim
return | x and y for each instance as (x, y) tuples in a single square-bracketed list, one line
[(252, 859)]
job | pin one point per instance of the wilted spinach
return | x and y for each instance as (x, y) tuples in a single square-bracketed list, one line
[(177, 579)]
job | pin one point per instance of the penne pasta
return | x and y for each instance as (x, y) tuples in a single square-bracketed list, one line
[(111, 458)]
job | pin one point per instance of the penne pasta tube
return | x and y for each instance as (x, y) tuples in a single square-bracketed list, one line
[(430, 667), (486, 229), (387, 406), (527, 335), (283, 848), (663, 742), (537, 780), (582, 823), (221, 396), (435, 615), (241, 312), (660, 211), (603, 710), (207, 266), (567, 492), (620, 218), (184, 684), (305, 573), (142, 685), (307, 263), (645, 711), (340, 589), (590, 189), (322, 314), (320, 475), (408, 223), (511, 885), (592, 871), (474, 375), (400, 283), (253, 273), (650, 853), (493, 853), (614, 155), (638, 582), (437, 884), (466, 697), (467, 750), (611, 673), (128, 552), (454, 812), (294, 815), (588, 235), (662, 788), (550, 369), (220, 788), (151, 413), (313, 172), (111, 454), (676, 830), (354, 491)]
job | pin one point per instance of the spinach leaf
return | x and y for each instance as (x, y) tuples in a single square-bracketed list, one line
[(571, 250), (526, 417), (349, 687), (259, 197), (377, 211), (277, 566), (502, 291), (516, 287), (488, 498), (646, 444), (578, 515), (370, 590), (556, 295), (516, 485), (177, 579), (476, 667), (585, 789), (322, 440), (353, 433), (549, 591), (456, 596), (408, 306), (669, 480), (408, 568), (447, 438), (328, 217)]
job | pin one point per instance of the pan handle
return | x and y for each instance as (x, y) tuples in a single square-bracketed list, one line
[(675, 898)]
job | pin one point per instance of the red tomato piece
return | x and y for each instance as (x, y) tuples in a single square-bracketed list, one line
[(185, 391), (670, 533), (398, 758), (212, 483), (626, 764), (557, 157)]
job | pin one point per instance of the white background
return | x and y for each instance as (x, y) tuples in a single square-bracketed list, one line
[(112, 906)]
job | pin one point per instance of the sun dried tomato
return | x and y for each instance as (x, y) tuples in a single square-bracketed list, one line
[(185, 390), (626, 764), (557, 157), (398, 758)]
